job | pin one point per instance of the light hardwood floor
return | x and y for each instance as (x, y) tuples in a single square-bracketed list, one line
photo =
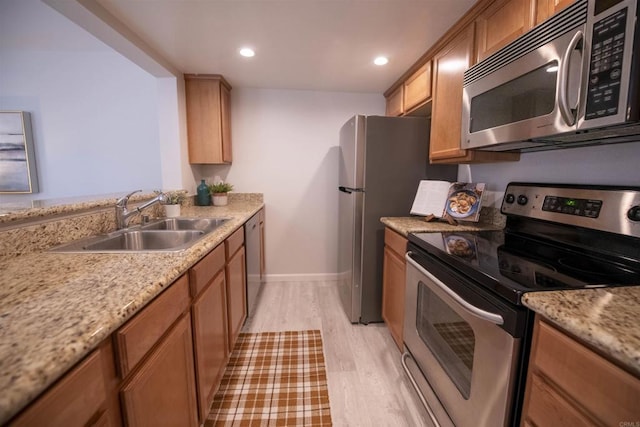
[(367, 386)]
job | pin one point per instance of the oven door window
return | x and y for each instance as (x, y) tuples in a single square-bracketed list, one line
[(449, 337)]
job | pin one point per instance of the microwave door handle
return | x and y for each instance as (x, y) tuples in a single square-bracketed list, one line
[(470, 308), (568, 114)]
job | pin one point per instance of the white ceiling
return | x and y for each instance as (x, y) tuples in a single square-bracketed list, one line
[(300, 44)]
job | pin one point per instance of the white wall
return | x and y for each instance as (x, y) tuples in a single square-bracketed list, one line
[(94, 113), (605, 165), (285, 145)]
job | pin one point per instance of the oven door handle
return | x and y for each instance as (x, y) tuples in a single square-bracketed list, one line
[(470, 308)]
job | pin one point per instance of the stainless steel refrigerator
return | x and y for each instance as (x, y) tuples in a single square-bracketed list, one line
[(382, 160)]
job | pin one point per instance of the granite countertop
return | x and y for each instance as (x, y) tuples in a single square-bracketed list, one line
[(406, 225), (57, 307), (606, 319)]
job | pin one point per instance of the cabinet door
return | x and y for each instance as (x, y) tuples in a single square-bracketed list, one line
[(163, 392), (547, 8), (210, 340), (449, 65), (501, 23), (394, 102), (78, 399), (393, 289), (236, 294), (208, 115), (417, 88)]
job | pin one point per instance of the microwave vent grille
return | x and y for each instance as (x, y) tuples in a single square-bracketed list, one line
[(568, 19)]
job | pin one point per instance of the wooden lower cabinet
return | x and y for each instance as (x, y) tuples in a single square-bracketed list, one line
[(163, 392), (570, 384), (210, 340), (236, 294), (393, 284), (83, 397)]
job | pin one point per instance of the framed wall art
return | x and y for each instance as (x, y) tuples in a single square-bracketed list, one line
[(17, 159)]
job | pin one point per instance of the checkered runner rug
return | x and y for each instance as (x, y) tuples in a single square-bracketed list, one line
[(274, 379)]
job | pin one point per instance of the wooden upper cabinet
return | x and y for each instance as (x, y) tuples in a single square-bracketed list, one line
[(501, 23), (449, 65), (208, 99), (417, 88), (394, 102), (547, 8)]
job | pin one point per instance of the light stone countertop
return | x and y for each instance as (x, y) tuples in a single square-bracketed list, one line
[(406, 225), (57, 307), (608, 319)]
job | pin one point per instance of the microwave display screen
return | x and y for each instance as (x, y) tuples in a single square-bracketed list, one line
[(531, 95), (602, 5)]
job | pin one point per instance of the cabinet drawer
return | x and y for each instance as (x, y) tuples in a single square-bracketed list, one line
[(233, 242), (73, 401), (395, 242), (605, 390), (205, 270), (141, 333)]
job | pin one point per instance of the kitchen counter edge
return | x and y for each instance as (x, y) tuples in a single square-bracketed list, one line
[(605, 318), (58, 307)]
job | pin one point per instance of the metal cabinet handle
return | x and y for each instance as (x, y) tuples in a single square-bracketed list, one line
[(470, 308), (567, 113)]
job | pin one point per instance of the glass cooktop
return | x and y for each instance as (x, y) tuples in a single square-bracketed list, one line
[(512, 264)]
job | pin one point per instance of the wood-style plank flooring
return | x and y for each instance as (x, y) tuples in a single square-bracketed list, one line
[(367, 386)]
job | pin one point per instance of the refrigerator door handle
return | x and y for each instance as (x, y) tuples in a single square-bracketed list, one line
[(350, 190)]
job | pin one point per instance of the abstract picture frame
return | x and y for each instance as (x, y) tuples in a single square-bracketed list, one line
[(18, 174)]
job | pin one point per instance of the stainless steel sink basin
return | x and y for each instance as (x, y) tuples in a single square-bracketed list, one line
[(202, 224), (169, 234), (145, 240)]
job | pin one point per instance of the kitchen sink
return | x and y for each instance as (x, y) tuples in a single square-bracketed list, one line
[(201, 224), (169, 234)]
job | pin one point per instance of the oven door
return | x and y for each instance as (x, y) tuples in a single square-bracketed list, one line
[(467, 361)]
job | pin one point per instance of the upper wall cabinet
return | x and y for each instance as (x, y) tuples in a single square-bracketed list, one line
[(417, 88), (548, 8), (395, 105), (412, 94), (208, 99), (502, 22), (449, 65)]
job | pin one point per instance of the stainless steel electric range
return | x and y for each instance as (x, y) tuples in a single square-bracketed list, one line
[(467, 335)]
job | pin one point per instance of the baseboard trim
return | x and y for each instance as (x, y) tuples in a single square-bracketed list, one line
[(315, 277)]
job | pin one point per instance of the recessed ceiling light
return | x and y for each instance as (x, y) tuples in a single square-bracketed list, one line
[(247, 52), (381, 60)]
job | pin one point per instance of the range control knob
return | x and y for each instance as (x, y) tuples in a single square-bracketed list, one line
[(634, 213), (509, 198), (522, 200)]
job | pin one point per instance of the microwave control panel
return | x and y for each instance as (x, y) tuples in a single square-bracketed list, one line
[(605, 67)]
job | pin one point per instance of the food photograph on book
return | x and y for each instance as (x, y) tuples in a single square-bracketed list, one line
[(459, 200)]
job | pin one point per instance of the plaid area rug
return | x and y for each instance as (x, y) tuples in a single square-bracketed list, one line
[(274, 379)]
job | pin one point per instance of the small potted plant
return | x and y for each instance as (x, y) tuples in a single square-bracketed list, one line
[(172, 202), (219, 192)]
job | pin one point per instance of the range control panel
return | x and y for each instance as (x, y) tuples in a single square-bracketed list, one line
[(570, 206), (605, 208)]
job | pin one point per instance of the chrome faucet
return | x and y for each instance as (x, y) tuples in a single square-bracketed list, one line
[(123, 214)]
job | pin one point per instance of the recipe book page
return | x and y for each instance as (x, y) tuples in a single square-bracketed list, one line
[(430, 198)]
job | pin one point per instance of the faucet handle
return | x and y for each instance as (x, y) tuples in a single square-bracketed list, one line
[(122, 201)]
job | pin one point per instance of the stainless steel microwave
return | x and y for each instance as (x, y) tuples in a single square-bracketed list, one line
[(573, 80)]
